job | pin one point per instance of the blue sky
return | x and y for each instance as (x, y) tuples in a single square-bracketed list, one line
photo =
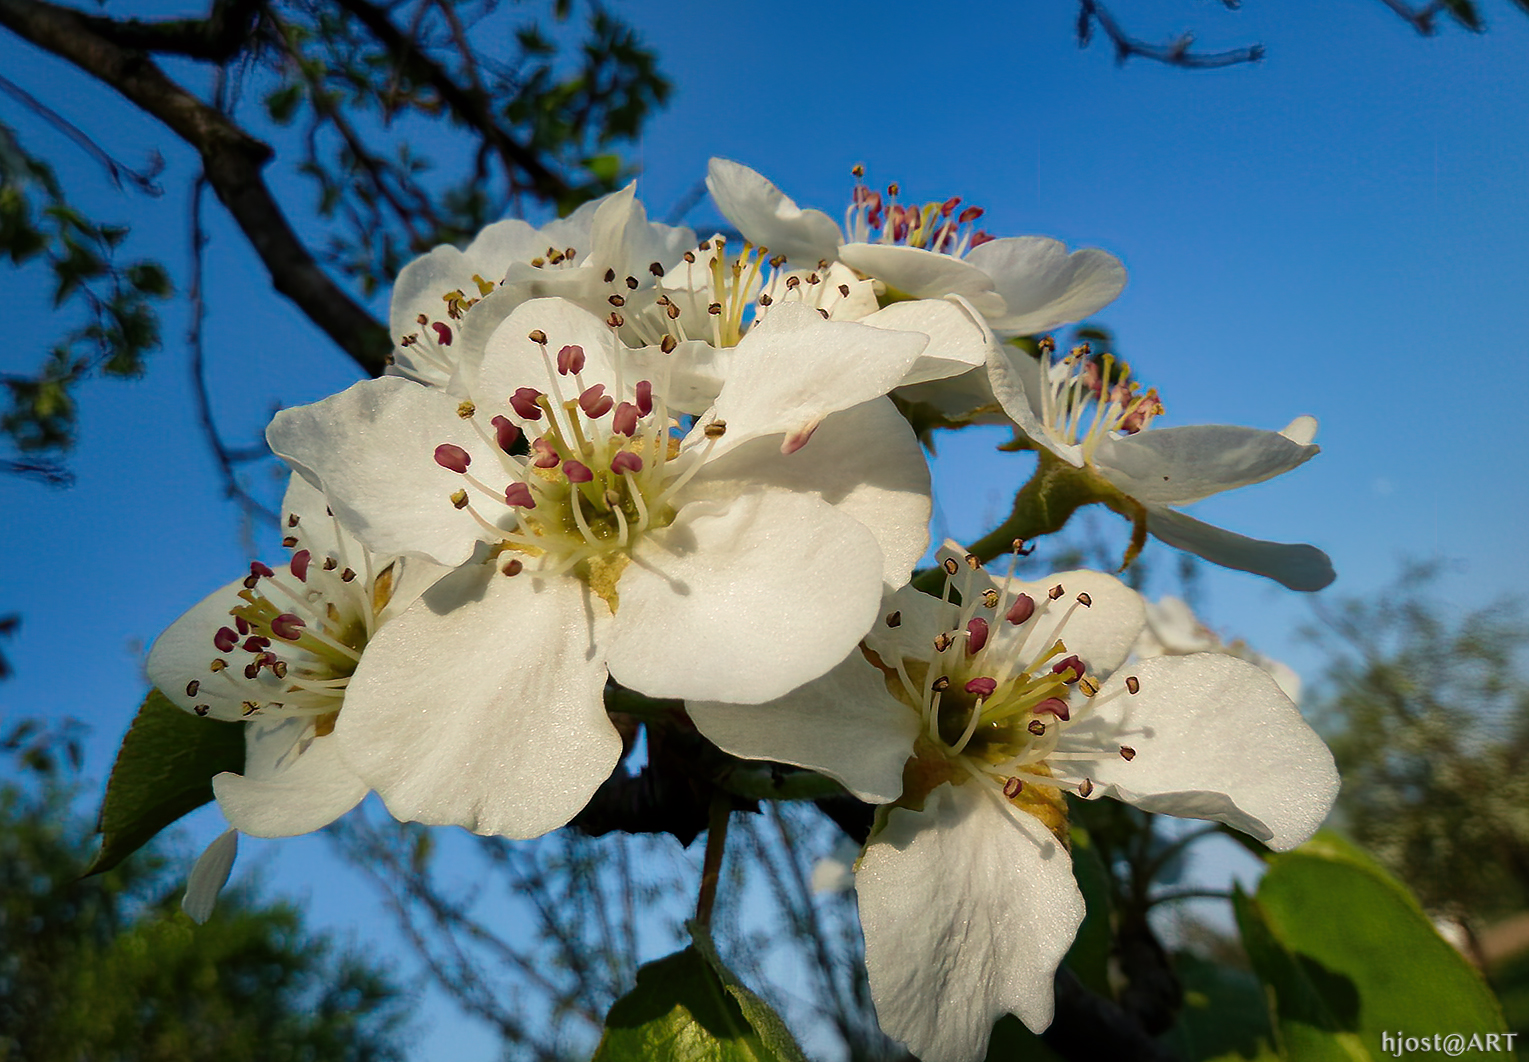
[(1340, 230)]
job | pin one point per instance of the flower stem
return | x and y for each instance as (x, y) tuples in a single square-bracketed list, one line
[(711, 866)]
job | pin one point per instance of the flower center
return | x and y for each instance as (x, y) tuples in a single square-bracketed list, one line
[(1085, 398), (425, 349), (716, 298), (989, 713), (936, 226), (587, 474), (298, 635)]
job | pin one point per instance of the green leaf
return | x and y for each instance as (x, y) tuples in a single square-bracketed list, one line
[(604, 168), (1351, 956), (689, 1008), (1225, 1013), (1089, 956), (281, 104), (761, 1016), (149, 278), (164, 770), (1012, 1041)]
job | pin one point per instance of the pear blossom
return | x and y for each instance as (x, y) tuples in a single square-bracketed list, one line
[(1174, 630), (430, 318), (1089, 412), (969, 719), (1022, 285), (595, 537), (278, 650)]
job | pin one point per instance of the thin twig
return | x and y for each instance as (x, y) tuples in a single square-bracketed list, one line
[(711, 866), (1178, 52), (115, 170), (231, 486)]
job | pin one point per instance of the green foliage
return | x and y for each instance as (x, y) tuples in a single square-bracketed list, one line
[(1427, 714), (689, 1007), (1346, 954), (107, 969), (544, 91), (164, 770), (120, 326)]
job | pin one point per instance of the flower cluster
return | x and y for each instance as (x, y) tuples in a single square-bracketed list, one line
[(608, 454)]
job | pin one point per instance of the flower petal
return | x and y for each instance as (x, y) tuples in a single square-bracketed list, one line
[(958, 336), (1176, 466), (483, 706), (845, 725), (968, 907), (622, 238), (1214, 738), (511, 359), (1102, 633), (796, 368), (209, 876), (1295, 566), (1043, 286), (370, 449), (183, 653), (912, 272), (1015, 377), (743, 601), (864, 462), (293, 782), (765, 215)]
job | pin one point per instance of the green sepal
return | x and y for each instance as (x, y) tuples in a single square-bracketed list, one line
[(164, 770)]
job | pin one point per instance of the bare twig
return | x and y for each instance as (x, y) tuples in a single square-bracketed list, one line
[(1178, 52), (1422, 19), (232, 488), (472, 107), (144, 182)]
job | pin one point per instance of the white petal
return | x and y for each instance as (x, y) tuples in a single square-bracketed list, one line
[(690, 377), (1176, 466), (371, 448), (304, 788), (1301, 431), (1214, 739), (1015, 378), (845, 725), (958, 336), (183, 653), (622, 238), (209, 876), (482, 706), (765, 215), (864, 462), (743, 601), (968, 908), (1042, 285), (913, 272), (512, 360), (796, 368), (1102, 633), (1298, 567)]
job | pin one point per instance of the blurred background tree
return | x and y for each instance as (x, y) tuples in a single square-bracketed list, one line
[(107, 968)]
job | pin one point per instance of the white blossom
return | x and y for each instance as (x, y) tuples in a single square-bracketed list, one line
[(971, 721), (594, 540)]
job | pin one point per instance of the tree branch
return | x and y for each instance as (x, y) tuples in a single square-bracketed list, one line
[(231, 158), (219, 37), (470, 105), (1177, 52)]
